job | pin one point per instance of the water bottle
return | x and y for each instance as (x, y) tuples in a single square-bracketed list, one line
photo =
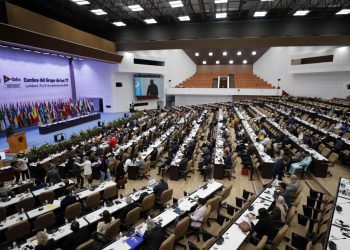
[(275, 182), (46, 202), (28, 190), (45, 230), (14, 245), (66, 221)]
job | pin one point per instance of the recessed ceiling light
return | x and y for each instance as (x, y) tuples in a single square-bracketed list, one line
[(99, 12), (176, 4), (253, 52), (224, 53), (184, 18), (221, 15), (217, 62), (266, 0), (239, 53), (196, 54), (135, 7), (119, 24), (301, 13), (220, 1), (150, 21), (343, 12), (230, 62), (81, 2), (204, 62), (245, 61), (210, 53), (260, 13)]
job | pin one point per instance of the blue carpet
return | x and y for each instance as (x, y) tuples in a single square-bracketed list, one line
[(37, 140)]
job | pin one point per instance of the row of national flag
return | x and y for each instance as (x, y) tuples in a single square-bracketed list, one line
[(25, 114)]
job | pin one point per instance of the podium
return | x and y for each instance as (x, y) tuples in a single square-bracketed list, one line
[(17, 142)]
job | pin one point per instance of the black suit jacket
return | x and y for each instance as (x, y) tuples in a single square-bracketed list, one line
[(153, 238), (75, 239)]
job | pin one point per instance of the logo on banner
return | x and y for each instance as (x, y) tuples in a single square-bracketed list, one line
[(11, 82)]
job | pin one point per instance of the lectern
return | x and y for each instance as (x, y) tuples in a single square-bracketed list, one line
[(17, 142)]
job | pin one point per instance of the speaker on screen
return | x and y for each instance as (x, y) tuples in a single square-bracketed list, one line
[(60, 137), (118, 84), (100, 123)]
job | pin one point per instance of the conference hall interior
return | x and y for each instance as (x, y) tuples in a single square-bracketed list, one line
[(169, 125)]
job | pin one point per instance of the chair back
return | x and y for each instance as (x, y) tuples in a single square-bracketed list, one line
[(166, 196), (46, 196), (214, 204), (110, 192), (132, 216), (73, 211), (246, 194), (148, 202), (206, 216), (18, 231), (325, 152), (112, 230), (168, 243), (226, 193), (182, 227), (2, 213), (93, 200), (24, 187), (45, 221), (333, 157), (291, 213), (89, 245), (206, 245), (262, 243), (147, 167), (297, 201), (280, 236), (27, 204)]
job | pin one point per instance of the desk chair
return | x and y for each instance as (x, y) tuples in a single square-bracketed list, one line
[(132, 217), (110, 192), (45, 221), (259, 246), (48, 196), (92, 201), (168, 243), (3, 213), (26, 204), (73, 211), (89, 245), (18, 231)]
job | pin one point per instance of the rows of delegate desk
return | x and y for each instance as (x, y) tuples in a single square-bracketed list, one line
[(339, 232)]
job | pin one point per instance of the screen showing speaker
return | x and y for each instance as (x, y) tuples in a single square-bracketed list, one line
[(60, 137), (149, 86), (101, 123)]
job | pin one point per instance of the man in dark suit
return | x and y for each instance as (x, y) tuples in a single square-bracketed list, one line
[(67, 200), (183, 163), (160, 188), (153, 236), (152, 89), (78, 237)]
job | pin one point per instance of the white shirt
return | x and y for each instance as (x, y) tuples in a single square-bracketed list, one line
[(127, 164), (87, 167), (22, 164), (265, 141), (102, 226)]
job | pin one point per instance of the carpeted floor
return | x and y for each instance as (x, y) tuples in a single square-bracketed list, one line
[(36, 139)]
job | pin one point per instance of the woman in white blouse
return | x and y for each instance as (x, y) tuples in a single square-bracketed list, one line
[(106, 220), (86, 166)]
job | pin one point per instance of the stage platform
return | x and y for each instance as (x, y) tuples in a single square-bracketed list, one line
[(34, 139)]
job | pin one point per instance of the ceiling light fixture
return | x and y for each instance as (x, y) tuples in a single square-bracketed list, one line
[(98, 12), (343, 12), (210, 53), (221, 15), (150, 21), (135, 7), (230, 62), (245, 61), (81, 2), (224, 53), (196, 54), (239, 53), (253, 52), (260, 13), (119, 24), (266, 0), (301, 13), (217, 62), (184, 18), (176, 4), (220, 1), (204, 62)]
